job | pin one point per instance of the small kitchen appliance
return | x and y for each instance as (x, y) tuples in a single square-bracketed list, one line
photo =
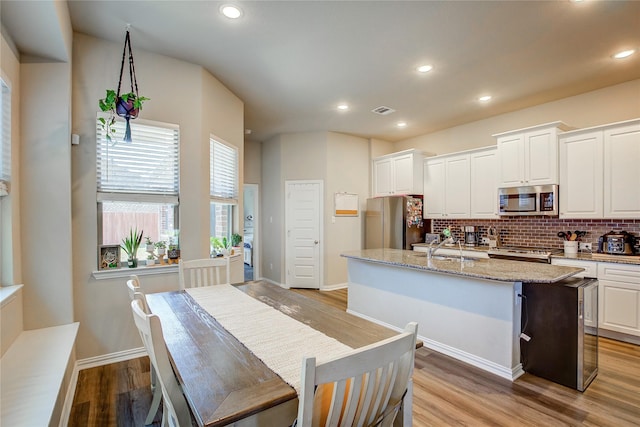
[(616, 243), (471, 236), (529, 200)]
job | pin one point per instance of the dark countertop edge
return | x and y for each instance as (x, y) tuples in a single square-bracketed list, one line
[(465, 273)]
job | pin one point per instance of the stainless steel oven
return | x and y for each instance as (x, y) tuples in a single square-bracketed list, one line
[(524, 254), (529, 200)]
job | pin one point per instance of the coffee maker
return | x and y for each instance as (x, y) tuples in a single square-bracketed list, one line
[(471, 235)]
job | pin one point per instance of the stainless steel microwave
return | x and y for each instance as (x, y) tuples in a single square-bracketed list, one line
[(529, 200)]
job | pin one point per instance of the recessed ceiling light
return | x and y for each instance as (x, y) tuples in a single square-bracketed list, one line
[(485, 98), (624, 54), (343, 107), (231, 11), (425, 68), (401, 124)]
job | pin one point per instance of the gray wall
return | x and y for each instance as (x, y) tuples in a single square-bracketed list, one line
[(181, 93), (612, 104), (342, 163)]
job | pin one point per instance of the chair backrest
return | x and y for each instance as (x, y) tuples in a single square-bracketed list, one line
[(365, 387), (204, 272), (135, 292), (132, 287), (135, 279), (174, 403)]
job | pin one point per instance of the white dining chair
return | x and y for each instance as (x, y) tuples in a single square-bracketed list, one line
[(366, 387), (135, 293), (135, 279), (175, 410), (204, 272)]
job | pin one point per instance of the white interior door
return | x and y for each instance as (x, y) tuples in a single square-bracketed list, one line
[(303, 231)]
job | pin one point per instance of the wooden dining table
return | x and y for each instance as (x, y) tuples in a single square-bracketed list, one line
[(225, 383)]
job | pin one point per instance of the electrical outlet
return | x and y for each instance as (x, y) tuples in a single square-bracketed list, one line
[(584, 246)]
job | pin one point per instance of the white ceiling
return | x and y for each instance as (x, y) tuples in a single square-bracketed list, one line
[(292, 62)]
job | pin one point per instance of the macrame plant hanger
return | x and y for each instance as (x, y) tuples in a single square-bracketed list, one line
[(126, 109)]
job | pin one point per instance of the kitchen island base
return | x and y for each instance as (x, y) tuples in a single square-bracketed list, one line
[(470, 319)]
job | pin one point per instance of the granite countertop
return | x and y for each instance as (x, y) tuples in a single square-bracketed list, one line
[(491, 269), (585, 256), (581, 256)]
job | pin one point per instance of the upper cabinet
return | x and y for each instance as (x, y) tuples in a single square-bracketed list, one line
[(398, 173), (484, 183), (461, 185), (529, 156), (599, 172), (446, 187), (581, 174), (622, 171)]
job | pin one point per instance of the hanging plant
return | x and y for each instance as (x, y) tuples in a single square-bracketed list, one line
[(127, 105), (119, 105)]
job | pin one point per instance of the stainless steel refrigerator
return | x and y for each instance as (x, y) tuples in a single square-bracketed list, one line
[(393, 222)]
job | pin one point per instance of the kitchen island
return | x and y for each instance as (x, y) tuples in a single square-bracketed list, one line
[(469, 310)]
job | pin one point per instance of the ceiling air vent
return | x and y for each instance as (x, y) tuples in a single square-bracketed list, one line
[(383, 111)]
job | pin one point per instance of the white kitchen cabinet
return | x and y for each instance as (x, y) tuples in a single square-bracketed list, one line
[(484, 183), (447, 187), (398, 173), (599, 172), (622, 171), (619, 297), (382, 178), (529, 156), (581, 174)]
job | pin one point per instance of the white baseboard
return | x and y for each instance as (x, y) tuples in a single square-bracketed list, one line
[(273, 282), (105, 359), (478, 362), (334, 287), (93, 362)]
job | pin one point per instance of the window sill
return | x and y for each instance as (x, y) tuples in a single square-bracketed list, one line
[(7, 293), (117, 273)]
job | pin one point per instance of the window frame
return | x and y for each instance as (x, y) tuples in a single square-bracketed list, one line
[(128, 196), (6, 116), (232, 202)]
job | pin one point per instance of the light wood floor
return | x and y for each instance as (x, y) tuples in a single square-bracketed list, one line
[(446, 392)]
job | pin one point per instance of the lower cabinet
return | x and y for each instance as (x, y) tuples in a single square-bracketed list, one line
[(619, 297), (618, 294)]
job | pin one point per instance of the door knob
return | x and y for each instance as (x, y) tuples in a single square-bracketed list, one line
[(315, 241)]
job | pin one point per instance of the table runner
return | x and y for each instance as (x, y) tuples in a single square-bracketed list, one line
[(275, 338)]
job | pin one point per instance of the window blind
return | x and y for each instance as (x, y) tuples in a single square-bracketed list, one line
[(5, 132), (146, 169), (223, 172)]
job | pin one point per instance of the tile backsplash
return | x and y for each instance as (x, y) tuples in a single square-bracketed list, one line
[(539, 231)]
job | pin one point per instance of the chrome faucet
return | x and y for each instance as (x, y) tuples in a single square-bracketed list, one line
[(431, 250)]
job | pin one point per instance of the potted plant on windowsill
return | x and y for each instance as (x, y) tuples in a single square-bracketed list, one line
[(161, 246), (127, 105), (236, 243), (149, 244), (130, 245)]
